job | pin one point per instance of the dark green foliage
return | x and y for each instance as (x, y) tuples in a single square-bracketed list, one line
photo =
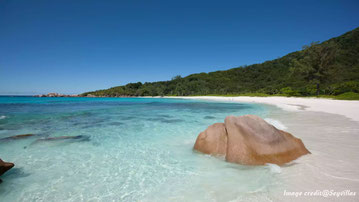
[(334, 64), (316, 63), (348, 96), (350, 86), (289, 91)]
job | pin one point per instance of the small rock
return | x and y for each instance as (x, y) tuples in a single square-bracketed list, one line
[(5, 166)]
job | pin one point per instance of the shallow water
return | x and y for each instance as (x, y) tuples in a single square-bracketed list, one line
[(128, 149)]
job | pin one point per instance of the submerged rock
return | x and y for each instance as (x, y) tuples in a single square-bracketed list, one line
[(15, 137), (250, 140), (5, 166), (77, 137)]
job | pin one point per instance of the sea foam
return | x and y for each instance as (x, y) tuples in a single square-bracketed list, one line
[(276, 123), (2, 117), (274, 168)]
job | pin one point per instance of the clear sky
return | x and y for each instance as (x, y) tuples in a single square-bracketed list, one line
[(70, 46)]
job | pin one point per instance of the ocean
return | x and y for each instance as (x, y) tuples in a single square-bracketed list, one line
[(125, 149)]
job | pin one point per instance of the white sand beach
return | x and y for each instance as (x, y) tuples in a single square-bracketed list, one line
[(346, 108), (330, 130)]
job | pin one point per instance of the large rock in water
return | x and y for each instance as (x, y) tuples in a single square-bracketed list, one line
[(250, 140), (213, 140), (5, 166)]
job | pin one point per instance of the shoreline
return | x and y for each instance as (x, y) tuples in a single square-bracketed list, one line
[(332, 140), (347, 108), (329, 129)]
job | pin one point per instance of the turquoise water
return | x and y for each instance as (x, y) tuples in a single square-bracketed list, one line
[(128, 149)]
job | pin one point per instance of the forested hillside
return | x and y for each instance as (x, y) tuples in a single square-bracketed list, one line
[(328, 68)]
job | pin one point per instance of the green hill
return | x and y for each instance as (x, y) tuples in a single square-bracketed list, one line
[(332, 65)]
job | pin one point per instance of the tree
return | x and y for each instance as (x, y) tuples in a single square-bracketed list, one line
[(176, 78), (316, 63)]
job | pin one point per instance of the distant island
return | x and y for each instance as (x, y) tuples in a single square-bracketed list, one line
[(327, 69), (57, 95), (74, 95)]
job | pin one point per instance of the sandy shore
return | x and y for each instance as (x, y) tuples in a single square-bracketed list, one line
[(346, 108), (330, 130)]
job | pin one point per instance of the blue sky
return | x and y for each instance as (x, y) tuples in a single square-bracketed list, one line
[(76, 46)]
